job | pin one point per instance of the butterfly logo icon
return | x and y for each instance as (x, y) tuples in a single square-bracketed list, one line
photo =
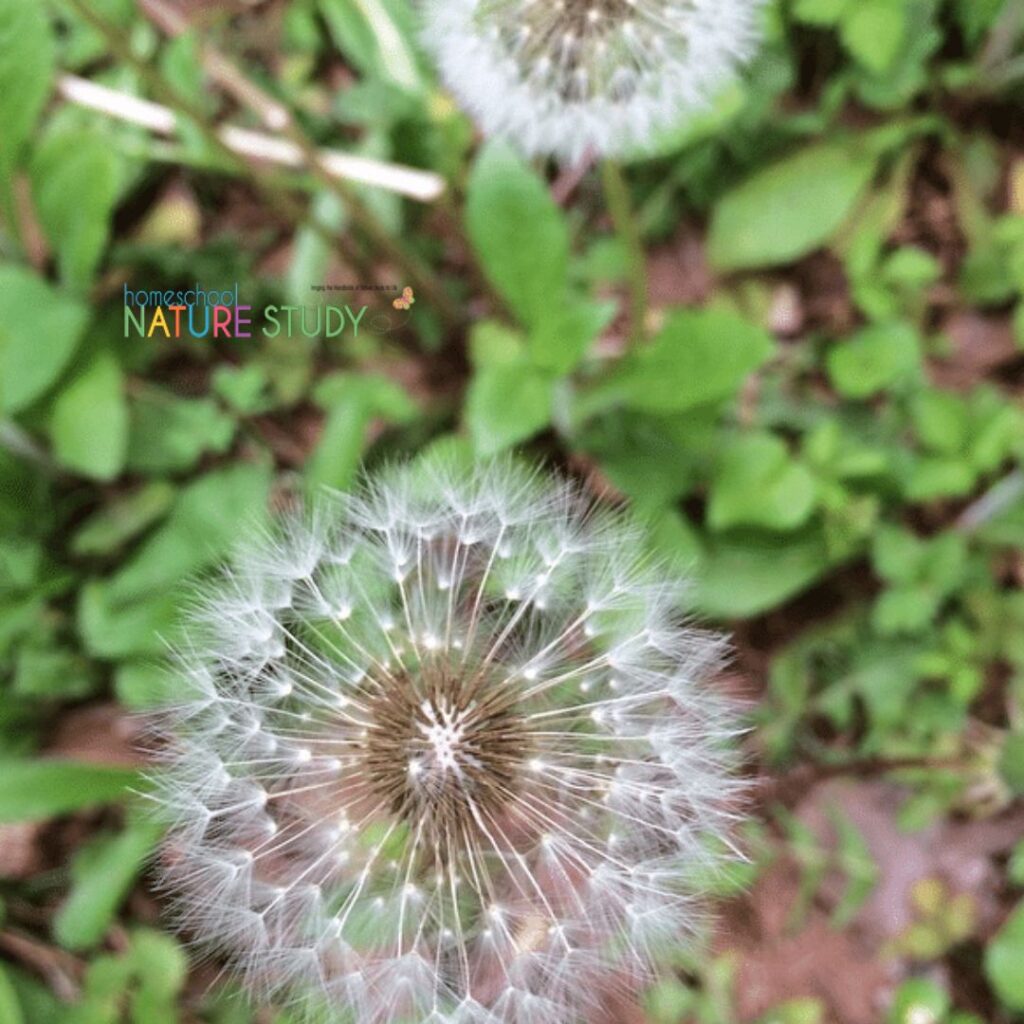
[(405, 300)]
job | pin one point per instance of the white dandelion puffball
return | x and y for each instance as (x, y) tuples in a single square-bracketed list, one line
[(446, 754), (569, 77)]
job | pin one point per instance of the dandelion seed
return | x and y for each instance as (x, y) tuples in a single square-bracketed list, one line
[(379, 823), (568, 77)]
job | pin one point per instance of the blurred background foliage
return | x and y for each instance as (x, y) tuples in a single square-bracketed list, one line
[(821, 418)]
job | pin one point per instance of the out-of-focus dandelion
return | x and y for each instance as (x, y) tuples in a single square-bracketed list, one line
[(570, 77), (446, 754)]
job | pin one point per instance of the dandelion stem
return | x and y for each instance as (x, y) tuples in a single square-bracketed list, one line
[(620, 206)]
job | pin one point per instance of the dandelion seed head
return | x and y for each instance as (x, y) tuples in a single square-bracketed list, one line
[(425, 796), (568, 77)]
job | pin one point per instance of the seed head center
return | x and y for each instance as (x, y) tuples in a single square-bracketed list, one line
[(444, 730)]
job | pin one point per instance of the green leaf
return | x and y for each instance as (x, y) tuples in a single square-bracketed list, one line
[(123, 519), (169, 434), (519, 234), (114, 628), (10, 1006), (203, 524), (898, 556), (27, 64), (352, 401), (75, 179), (144, 684), (874, 359), (89, 421), (918, 1001), (52, 673), (699, 357), (742, 576), (789, 209), (874, 32), (102, 874), (560, 341), (820, 12), (39, 789), (1003, 959), (1011, 763), (39, 333), (507, 404), (377, 36), (759, 484)]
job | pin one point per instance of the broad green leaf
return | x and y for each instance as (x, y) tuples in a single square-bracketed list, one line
[(699, 357), (352, 402), (37, 789), (653, 459), (519, 234), (39, 332), (874, 32), (508, 399), (203, 524), (89, 420), (559, 342), (75, 178), (1003, 959), (507, 404), (820, 12), (144, 684), (102, 874), (169, 434), (742, 576), (52, 673), (10, 1005), (758, 483), (377, 36), (918, 1000), (123, 519), (27, 63), (789, 209), (874, 359), (113, 628)]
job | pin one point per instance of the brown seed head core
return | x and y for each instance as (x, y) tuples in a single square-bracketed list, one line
[(443, 752)]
